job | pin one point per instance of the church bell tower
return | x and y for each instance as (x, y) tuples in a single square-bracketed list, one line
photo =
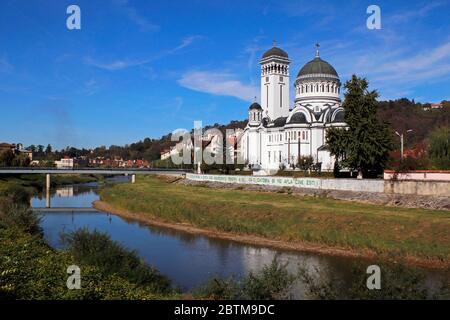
[(275, 83)]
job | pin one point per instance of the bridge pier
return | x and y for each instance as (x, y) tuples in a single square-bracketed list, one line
[(47, 190), (133, 178)]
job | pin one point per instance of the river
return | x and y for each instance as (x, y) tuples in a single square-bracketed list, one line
[(188, 260)]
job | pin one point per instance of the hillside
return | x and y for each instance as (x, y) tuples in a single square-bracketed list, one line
[(402, 115)]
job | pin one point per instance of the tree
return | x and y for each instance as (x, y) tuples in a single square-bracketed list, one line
[(32, 148), (48, 150), (364, 146), (439, 148), (6, 158)]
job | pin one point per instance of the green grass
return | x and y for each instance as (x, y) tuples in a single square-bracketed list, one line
[(398, 231)]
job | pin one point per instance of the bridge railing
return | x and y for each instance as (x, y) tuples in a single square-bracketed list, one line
[(53, 169)]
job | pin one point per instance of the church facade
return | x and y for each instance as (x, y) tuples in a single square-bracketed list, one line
[(277, 136)]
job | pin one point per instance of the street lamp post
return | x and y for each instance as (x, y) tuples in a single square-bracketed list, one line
[(401, 141)]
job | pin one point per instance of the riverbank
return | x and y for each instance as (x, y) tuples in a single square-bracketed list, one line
[(33, 183), (417, 236), (376, 198), (32, 270)]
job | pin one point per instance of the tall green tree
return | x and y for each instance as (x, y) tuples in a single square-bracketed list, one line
[(48, 150), (439, 148), (364, 146)]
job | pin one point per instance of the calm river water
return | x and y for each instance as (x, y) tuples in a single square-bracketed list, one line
[(188, 260)]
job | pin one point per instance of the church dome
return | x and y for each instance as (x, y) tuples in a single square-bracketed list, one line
[(318, 67), (255, 106), (275, 51), (339, 117), (298, 117)]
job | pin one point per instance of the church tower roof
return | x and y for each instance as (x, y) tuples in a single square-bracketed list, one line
[(275, 51)]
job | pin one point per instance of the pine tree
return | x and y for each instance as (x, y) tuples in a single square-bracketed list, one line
[(365, 144)]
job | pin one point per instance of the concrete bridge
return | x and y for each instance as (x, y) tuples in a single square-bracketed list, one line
[(62, 209), (107, 171)]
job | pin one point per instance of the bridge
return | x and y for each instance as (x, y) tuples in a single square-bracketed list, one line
[(62, 209), (98, 171), (106, 171)]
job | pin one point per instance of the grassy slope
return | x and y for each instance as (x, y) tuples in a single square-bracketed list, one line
[(414, 232)]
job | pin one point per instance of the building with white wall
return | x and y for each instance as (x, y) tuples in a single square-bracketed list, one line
[(278, 136)]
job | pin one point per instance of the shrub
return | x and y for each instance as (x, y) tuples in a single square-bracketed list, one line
[(272, 282), (97, 249), (31, 270), (20, 217), (397, 283)]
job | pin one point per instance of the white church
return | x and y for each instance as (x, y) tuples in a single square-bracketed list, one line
[(277, 136)]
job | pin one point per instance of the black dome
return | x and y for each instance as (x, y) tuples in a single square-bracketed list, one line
[(317, 66), (279, 122), (275, 51), (298, 117), (255, 106), (339, 117)]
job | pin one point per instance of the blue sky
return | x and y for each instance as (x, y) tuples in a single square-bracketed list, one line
[(142, 68)]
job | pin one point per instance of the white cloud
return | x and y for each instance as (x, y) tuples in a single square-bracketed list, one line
[(121, 64), (91, 87), (406, 16), (186, 42), (419, 62), (116, 64), (217, 83), (143, 23)]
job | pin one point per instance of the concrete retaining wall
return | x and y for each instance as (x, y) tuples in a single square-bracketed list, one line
[(310, 183), (399, 187), (353, 185), (424, 188)]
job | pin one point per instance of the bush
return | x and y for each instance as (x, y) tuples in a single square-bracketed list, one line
[(20, 217), (97, 249), (15, 211), (272, 282), (31, 270), (397, 283)]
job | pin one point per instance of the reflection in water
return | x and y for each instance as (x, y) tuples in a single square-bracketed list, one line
[(189, 260)]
